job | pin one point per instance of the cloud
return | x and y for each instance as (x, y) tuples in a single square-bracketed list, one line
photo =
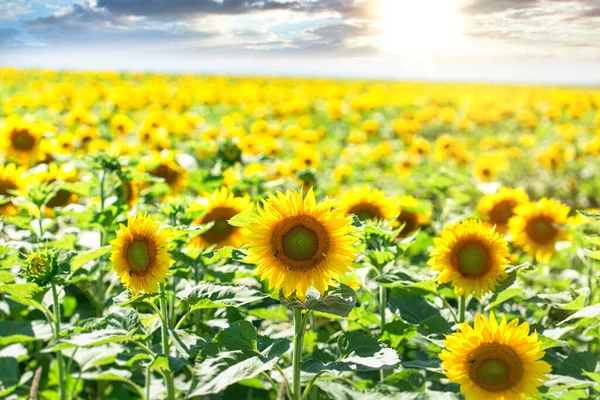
[(195, 8), (476, 7), (8, 36), (87, 23)]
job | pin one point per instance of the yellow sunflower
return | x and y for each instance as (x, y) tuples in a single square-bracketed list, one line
[(64, 173), (536, 227), (411, 215), (497, 209), (297, 243), (367, 203), (221, 206), (21, 140), (495, 361), (10, 179), (140, 254), (165, 166), (472, 256)]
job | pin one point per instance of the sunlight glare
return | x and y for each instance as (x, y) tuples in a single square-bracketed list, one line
[(419, 26)]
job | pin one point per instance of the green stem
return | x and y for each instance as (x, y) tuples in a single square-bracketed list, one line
[(449, 309), (285, 380), (59, 356), (102, 176), (165, 340), (41, 220), (462, 306), (382, 309), (310, 385), (148, 381), (299, 329)]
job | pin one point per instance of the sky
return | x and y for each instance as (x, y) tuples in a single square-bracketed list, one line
[(536, 41)]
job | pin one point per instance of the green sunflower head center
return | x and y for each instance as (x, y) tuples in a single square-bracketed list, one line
[(138, 255), (542, 230), (300, 243), (22, 140), (495, 367), (221, 226), (472, 259), (493, 372)]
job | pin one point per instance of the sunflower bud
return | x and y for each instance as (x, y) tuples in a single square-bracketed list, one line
[(41, 266), (229, 153)]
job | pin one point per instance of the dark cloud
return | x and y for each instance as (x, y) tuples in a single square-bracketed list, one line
[(86, 23), (183, 8), (476, 7), (8, 37)]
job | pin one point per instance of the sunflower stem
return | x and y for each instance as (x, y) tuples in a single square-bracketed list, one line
[(165, 340), (382, 308), (59, 356), (299, 329), (462, 306), (148, 381)]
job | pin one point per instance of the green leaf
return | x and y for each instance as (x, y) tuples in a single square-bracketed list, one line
[(341, 391), (242, 219), (215, 295), (83, 258), (587, 312), (576, 363), (359, 351), (274, 313), (408, 380), (24, 331), (236, 354), (337, 301), (91, 339), (9, 374), (595, 255), (505, 295)]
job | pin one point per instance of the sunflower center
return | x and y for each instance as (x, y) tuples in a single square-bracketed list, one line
[(493, 372), (300, 242), (138, 255), (495, 367), (471, 259), (169, 174), (5, 186), (409, 219), (541, 229), (366, 211), (61, 198), (502, 212), (22, 140), (221, 230)]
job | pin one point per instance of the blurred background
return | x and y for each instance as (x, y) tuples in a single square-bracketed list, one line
[(537, 41)]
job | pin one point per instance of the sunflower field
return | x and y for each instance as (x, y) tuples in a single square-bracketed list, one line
[(204, 237)]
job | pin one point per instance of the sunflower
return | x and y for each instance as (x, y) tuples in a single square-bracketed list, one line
[(140, 255), (165, 166), (536, 227), (65, 173), (472, 256), (367, 203), (495, 361), (10, 179), (21, 140), (297, 243), (411, 215), (497, 209), (220, 206)]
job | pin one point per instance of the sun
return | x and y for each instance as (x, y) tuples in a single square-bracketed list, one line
[(418, 27)]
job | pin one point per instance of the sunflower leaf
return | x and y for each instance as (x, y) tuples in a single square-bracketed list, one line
[(338, 301), (242, 219), (216, 295), (83, 258)]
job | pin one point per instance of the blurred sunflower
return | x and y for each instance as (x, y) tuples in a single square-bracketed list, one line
[(536, 227), (64, 173), (495, 361), (367, 203), (21, 140), (297, 243), (412, 215), (10, 179), (497, 209), (166, 167), (472, 256), (140, 254), (221, 206)]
